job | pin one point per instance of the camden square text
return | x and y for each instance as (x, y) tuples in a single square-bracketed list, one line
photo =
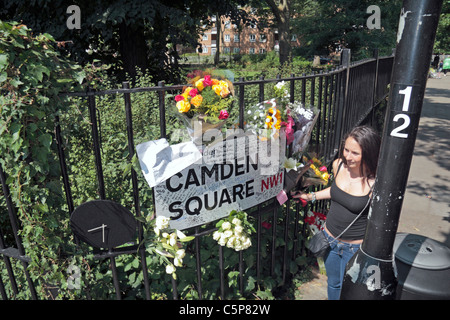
[(226, 194), (218, 172)]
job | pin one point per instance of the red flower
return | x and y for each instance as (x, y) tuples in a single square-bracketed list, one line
[(303, 202), (207, 81), (179, 97), (193, 92), (310, 219), (223, 115)]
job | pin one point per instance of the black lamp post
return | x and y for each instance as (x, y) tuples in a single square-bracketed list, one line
[(371, 273)]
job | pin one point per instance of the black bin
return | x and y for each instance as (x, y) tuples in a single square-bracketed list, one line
[(423, 268)]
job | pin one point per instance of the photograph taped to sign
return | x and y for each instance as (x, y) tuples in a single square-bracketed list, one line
[(237, 174)]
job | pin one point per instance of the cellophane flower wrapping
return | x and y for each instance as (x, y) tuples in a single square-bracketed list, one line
[(293, 120), (279, 113), (199, 124), (302, 173), (304, 119)]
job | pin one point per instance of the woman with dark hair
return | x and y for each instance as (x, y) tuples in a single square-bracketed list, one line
[(354, 175)]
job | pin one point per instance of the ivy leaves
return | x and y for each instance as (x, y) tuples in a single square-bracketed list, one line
[(32, 76)]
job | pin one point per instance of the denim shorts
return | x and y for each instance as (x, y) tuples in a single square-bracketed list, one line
[(335, 263)]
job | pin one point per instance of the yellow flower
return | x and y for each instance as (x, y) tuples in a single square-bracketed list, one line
[(199, 84), (217, 88), (223, 84), (183, 106), (273, 117), (224, 92), (197, 100), (186, 91)]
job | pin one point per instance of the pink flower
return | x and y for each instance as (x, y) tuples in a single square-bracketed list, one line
[(323, 169), (223, 114), (289, 129), (207, 81), (179, 97), (193, 92)]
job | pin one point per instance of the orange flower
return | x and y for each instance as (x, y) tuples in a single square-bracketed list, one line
[(197, 100)]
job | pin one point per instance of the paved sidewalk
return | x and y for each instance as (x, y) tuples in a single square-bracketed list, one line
[(426, 207)]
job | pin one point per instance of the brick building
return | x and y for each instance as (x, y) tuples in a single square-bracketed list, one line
[(241, 40)]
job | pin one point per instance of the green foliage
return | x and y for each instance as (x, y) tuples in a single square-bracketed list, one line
[(442, 43), (325, 26), (123, 33), (32, 75)]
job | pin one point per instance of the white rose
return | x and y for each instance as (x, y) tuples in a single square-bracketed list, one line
[(162, 222), (226, 225), (178, 262), (280, 85), (223, 240), (170, 269), (217, 235), (246, 243), (228, 233), (231, 241), (236, 221), (180, 253)]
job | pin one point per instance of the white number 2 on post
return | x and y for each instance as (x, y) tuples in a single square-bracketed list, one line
[(396, 132)]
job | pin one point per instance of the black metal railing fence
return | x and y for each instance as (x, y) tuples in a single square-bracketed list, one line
[(347, 96)]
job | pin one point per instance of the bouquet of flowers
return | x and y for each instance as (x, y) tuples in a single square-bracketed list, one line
[(279, 113), (309, 171), (167, 243), (315, 220), (234, 231), (317, 173), (205, 103)]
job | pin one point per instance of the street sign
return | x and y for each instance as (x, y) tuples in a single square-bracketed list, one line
[(236, 174)]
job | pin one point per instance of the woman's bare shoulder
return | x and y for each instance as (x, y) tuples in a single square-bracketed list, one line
[(336, 164)]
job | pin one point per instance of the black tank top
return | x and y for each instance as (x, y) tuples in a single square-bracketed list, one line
[(344, 209)]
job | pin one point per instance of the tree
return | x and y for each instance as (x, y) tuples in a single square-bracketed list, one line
[(233, 10), (442, 43), (327, 26), (281, 11), (277, 14), (126, 33)]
